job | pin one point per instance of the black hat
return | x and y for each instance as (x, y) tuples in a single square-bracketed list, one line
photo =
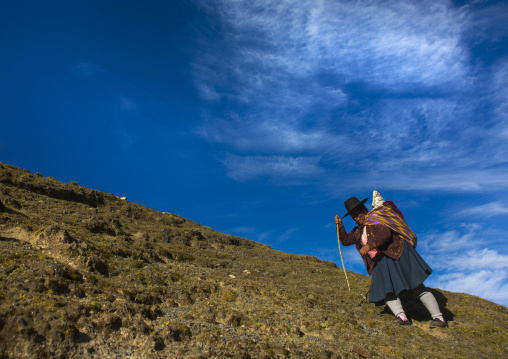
[(352, 203)]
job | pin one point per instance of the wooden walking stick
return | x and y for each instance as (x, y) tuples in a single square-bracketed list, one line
[(338, 239)]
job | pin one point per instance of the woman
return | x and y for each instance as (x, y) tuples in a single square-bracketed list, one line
[(394, 264)]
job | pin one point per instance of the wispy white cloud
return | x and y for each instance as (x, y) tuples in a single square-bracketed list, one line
[(276, 168), (395, 44), (488, 23), (488, 284), (498, 96), (208, 93), (369, 88), (488, 210), (285, 236), (383, 42), (463, 262), (264, 237), (484, 259), (443, 243), (264, 136)]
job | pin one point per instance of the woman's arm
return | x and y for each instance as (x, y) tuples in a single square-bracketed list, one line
[(347, 239)]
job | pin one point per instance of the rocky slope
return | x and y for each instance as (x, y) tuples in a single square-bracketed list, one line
[(86, 274)]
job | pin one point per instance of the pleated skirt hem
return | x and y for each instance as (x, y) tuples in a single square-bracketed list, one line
[(395, 276)]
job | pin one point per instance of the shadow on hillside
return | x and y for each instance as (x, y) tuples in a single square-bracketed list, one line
[(8, 239), (417, 311), (6, 213), (82, 338)]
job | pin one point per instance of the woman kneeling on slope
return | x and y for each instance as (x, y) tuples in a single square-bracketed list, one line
[(392, 261)]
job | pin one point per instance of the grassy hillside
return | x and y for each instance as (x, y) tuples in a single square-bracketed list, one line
[(86, 274)]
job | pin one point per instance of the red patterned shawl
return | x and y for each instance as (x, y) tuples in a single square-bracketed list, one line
[(389, 215)]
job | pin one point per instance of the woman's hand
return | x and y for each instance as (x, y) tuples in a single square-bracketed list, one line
[(338, 220), (364, 250)]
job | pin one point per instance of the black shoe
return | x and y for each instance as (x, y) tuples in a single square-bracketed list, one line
[(402, 322), (438, 323)]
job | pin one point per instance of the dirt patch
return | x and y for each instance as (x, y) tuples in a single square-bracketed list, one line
[(16, 233)]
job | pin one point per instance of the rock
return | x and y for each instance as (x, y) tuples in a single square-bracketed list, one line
[(362, 352), (385, 349)]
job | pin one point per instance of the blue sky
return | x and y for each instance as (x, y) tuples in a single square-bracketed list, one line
[(260, 118)]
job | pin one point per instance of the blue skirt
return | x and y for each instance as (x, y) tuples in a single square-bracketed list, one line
[(394, 276)]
